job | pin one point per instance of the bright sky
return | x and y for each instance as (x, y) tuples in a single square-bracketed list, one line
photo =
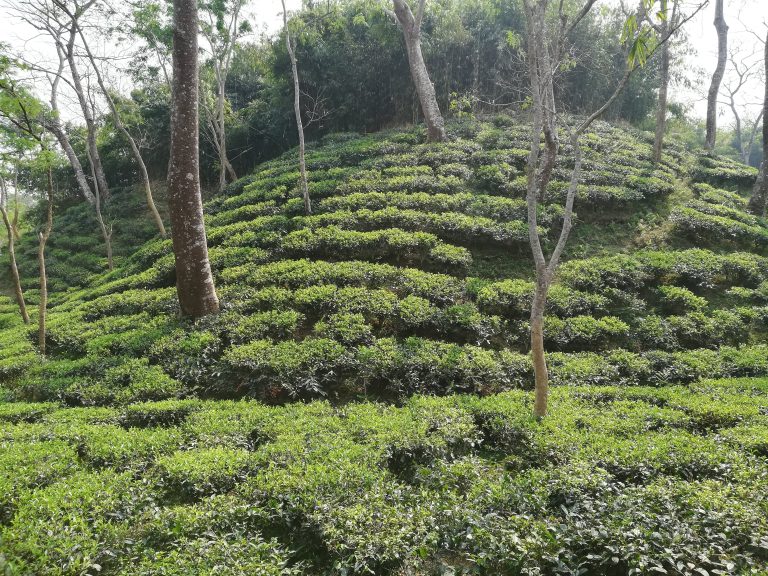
[(744, 17)]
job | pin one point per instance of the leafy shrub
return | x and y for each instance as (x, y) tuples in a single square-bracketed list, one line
[(133, 380), (677, 300), (84, 515), (220, 554), (163, 413), (102, 446), (203, 471), (272, 371)]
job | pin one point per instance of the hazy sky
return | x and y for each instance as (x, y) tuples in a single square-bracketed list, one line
[(742, 17)]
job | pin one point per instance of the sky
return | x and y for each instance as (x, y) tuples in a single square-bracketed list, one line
[(742, 17)]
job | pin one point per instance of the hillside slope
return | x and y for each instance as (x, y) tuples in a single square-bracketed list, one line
[(413, 275), (124, 453)]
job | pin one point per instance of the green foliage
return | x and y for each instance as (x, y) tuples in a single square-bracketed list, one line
[(371, 487), (203, 471)]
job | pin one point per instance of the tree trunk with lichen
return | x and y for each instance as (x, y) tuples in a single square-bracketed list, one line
[(194, 280)]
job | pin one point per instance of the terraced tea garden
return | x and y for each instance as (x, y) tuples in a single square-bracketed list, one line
[(362, 403)]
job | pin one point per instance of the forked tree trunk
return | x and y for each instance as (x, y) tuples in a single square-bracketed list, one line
[(411, 26), (127, 135), (19, 293), (717, 77), (194, 281), (759, 199), (43, 236), (541, 53), (297, 113)]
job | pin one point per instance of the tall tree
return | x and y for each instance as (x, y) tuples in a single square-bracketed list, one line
[(135, 152), (759, 199), (297, 113), (74, 12), (717, 77), (664, 28), (194, 280), (411, 27), (43, 236), (21, 132), (546, 45), (222, 28)]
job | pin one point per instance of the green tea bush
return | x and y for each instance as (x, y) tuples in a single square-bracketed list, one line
[(26, 465), (84, 516), (392, 244), (296, 369), (109, 446), (133, 380), (719, 171), (163, 413), (189, 474), (226, 555), (678, 300), (707, 228)]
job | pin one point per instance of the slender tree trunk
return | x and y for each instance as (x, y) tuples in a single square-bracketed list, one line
[(127, 135), (747, 148), (87, 111), (194, 281), (424, 88), (43, 236), (759, 200), (738, 132), (54, 127), (297, 113), (226, 168), (106, 232), (717, 77), (14, 269), (12, 253), (476, 71), (15, 220), (540, 371), (661, 109)]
